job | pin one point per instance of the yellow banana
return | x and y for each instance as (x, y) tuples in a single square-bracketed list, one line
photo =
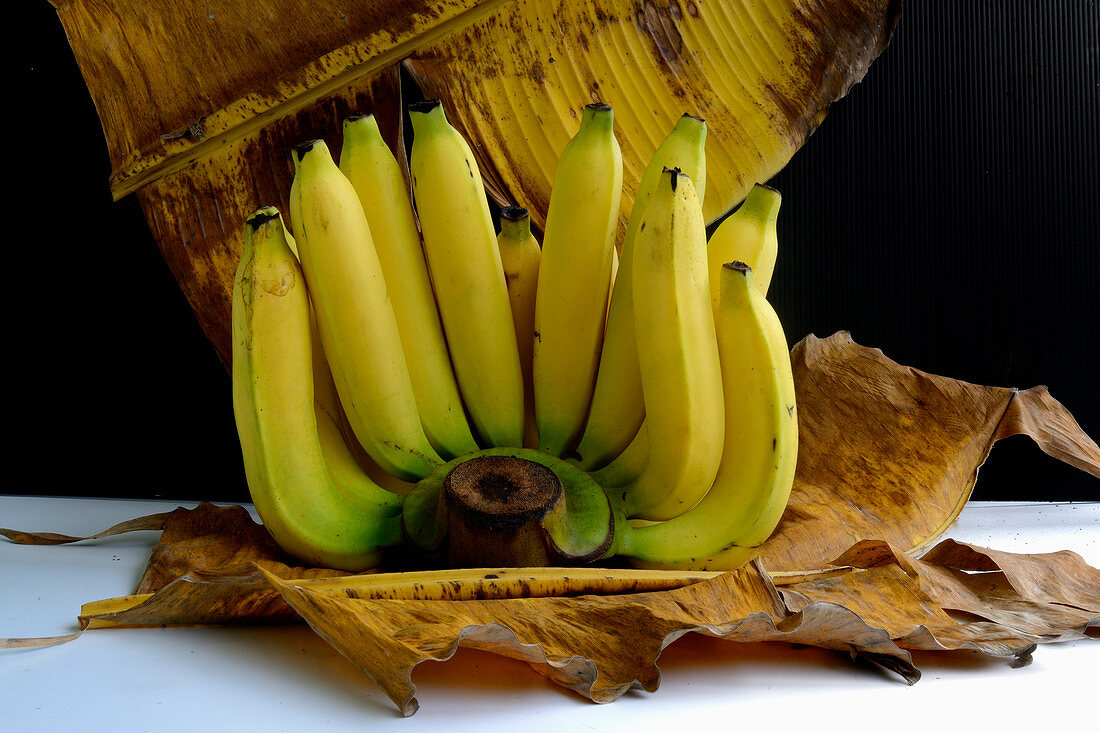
[(367, 162), (336, 519), (617, 408), (519, 256), (754, 480), (628, 465), (337, 448), (461, 249), (342, 452), (677, 355), (747, 235), (354, 316), (574, 278)]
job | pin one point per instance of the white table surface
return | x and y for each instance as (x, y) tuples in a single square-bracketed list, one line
[(287, 679)]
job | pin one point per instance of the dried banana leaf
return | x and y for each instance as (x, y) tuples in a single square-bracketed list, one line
[(599, 632), (604, 643), (200, 101), (762, 74), (888, 452)]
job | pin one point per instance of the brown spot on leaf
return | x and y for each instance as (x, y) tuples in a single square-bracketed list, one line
[(660, 25)]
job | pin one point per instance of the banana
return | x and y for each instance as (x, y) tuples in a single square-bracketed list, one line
[(328, 404), (677, 355), (329, 518), (628, 465), (519, 256), (341, 450), (747, 235), (461, 249), (367, 162), (574, 278), (354, 316), (754, 480), (617, 408)]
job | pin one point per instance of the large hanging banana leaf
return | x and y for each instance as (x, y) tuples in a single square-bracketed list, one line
[(761, 72), (201, 100)]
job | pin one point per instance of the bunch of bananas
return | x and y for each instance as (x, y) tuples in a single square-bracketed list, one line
[(491, 401)]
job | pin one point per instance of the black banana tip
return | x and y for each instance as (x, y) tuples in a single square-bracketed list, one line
[(738, 266), (301, 150), (598, 107), (514, 213), (425, 105), (675, 175), (355, 117), (261, 216), (694, 117)]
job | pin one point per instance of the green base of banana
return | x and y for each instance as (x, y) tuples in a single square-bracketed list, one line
[(510, 507)]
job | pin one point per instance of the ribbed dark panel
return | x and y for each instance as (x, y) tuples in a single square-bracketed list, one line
[(947, 212)]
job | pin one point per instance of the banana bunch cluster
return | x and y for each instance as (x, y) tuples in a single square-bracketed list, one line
[(644, 389)]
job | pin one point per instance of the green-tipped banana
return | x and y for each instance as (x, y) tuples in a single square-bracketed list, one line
[(754, 481), (617, 409), (677, 355), (747, 235), (575, 277), (354, 316), (341, 525), (369, 164), (461, 249), (519, 256)]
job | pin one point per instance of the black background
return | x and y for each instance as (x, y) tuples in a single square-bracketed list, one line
[(946, 212)]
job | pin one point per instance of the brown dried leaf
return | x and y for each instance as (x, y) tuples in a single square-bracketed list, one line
[(217, 540), (888, 452), (962, 596), (153, 522), (883, 484), (955, 597), (598, 646)]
